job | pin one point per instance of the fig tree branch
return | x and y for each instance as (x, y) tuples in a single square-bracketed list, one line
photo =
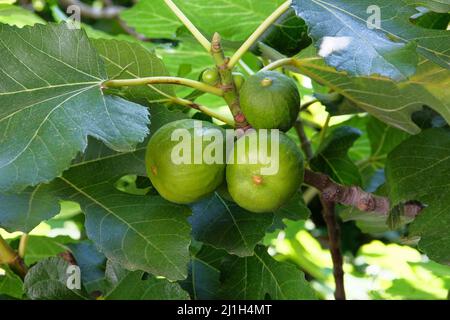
[(334, 239), (12, 259), (354, 196), (258, 33), (163, 80), (230, 93), (189, 25)]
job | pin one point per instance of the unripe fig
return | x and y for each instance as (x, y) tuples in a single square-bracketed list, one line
[(270, 100), (182, 181), (258, 190), (211, 76)]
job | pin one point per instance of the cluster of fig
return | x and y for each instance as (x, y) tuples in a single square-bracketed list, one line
[(269, 100)]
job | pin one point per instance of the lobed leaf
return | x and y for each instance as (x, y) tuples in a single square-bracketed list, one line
[(391, 102), (126, 285), (418, 170), (54, 100), (349, 40), (224, 225), (47, 280), (254, 277)]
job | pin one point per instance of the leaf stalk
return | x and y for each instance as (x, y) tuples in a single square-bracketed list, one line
[(10, 257), (163, 80), (189, 25), (258, 33)]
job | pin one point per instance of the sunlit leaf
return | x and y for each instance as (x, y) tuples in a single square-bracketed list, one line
[(418, 169)]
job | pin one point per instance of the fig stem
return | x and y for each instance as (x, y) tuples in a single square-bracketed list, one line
[(163, 80), (230, 93), (259, 32), (190, 104), (189, 25), (279, 63), (205, 110), (10, 257)]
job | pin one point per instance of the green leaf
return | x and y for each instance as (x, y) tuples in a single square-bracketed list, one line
[(10, 283), (383, 138), (341, 31), (24, 211), (17, 16), (332, 157), (92, 264), (224, 225), (140, 232), (254, 277), (126, 60), (203, 282), (294, 209), (137, 285), (288, 35), (54, 100), (434, 5), (431, 20), (337, 104), (39, 248), (155, 20), (418, 169), (48, 280), (390, 102), (161, 115), (186, 53)]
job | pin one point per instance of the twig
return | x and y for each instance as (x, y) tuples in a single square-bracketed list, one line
[(354, 196), (230, 94), (305, 143), (259, 32), (108, 12), (10, 257), (191, 104), (189, 25), (163, 80), (334, 239)]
